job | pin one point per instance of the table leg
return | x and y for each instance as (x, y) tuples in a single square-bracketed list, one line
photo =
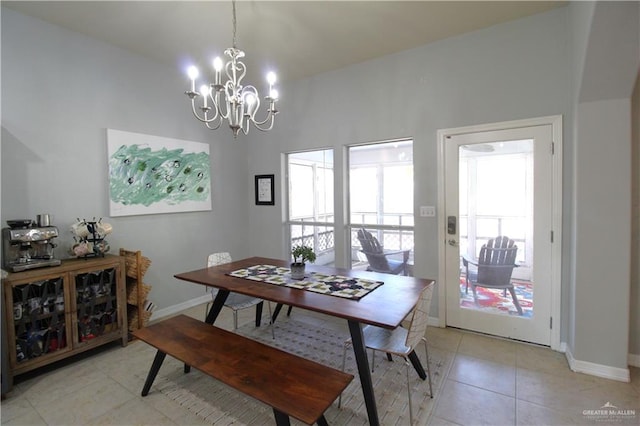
[(276, 312), (281, 418), (360, 353), (153, 372), (259, 313), (217, 305), (415, 361)]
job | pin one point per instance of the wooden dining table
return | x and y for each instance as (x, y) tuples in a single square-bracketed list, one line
[(386, 306)]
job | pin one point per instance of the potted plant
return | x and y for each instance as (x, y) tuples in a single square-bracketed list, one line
[(301, 254)]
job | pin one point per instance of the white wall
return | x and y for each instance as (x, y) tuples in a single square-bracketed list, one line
[(603, 222), (60, 91), (601, 323), (634, 300), (510, 71)]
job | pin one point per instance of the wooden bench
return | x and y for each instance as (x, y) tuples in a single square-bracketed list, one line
[(291, 385)]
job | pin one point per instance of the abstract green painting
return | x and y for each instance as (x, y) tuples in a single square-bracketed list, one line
[(152, 174)]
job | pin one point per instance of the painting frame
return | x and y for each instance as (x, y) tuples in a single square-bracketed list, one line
[(265, 190), (154, 175)]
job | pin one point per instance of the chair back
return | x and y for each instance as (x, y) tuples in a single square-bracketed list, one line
[(420, 317), (373, 250), (215, 259), (496, 261), (369, 243)]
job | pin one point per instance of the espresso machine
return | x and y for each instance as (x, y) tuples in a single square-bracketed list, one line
[(28, 245)]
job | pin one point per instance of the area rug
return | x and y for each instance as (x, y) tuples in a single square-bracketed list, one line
[(494, 301), (217, 404)]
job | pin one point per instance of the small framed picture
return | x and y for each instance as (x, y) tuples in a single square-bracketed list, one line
[(264, 190)]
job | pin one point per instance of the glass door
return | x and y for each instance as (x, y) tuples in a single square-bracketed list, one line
[(499, 222)]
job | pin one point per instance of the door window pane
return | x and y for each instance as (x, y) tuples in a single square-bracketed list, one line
[(496, 199)]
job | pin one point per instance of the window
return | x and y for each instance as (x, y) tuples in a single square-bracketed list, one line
[(310, 217), (381, 196)]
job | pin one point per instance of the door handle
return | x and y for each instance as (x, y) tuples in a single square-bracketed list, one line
[(453, 243)]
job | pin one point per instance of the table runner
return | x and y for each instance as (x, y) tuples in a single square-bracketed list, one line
[(334, 285)]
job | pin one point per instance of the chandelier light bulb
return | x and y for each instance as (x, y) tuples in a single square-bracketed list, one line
[(193, 72), (271, 78), (205, 90), (217, 64), (250, 99)]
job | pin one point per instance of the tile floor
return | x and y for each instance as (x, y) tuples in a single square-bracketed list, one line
[(486, 381)]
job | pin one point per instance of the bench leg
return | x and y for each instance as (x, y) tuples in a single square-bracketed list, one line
[(281, 418), (155, 367), (360, 353)]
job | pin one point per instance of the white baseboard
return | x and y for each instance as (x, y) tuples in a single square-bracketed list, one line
[(599, 370), (634, 360), (174, 309), (563, 347), (434, 322)]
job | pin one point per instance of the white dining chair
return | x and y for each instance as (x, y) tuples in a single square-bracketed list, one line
[(400, 341), (235, 301)]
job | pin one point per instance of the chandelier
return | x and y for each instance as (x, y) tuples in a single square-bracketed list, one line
[(231, 100)]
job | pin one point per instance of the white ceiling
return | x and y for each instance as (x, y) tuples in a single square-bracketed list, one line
[(294, 38)]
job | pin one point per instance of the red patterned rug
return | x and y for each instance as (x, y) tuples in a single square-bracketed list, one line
[(494, 301)]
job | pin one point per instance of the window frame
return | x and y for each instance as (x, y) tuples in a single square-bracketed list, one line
[(289, 222), (379, 229)]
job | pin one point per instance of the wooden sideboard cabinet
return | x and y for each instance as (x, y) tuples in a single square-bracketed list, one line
[(56, 312)]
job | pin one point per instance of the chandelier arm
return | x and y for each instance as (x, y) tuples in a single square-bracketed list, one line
[(245, 127), (219, 112), (270, 116), (195, 113), (216, 127), (265, 129), (205, 119), (193, 109)]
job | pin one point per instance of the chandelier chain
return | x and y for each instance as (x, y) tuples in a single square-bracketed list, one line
[(234, 23)]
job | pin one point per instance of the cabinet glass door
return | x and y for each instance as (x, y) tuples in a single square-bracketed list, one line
[(96, 304), (39, 324)]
